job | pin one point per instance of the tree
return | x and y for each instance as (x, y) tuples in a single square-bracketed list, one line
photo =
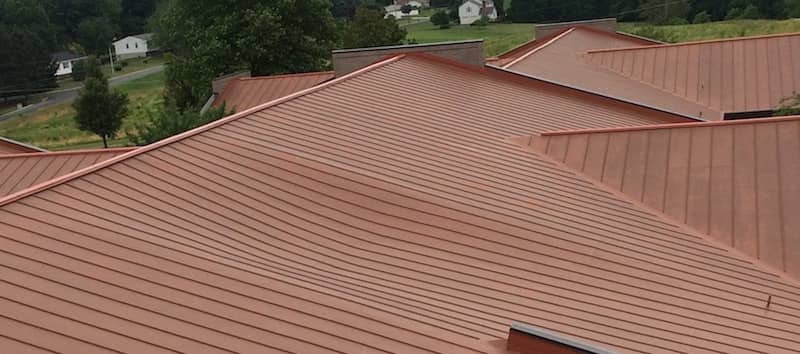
[(211, 37), (167, 120), (661, 12), (751, 12), (792, 8), (95, 35), (369, 28), (701, 17), (135, 14), (98, 109), (26, 41), (87, 22), (441, 18)]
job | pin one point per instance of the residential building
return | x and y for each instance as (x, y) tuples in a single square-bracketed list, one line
[(65, 60), (473, 10), (133, 46)]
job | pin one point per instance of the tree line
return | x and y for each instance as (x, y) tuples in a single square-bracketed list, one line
[(653, 11)]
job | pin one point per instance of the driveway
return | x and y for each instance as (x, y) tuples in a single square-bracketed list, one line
[(53, 98)]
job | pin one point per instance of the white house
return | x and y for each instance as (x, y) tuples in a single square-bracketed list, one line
[(65, 61), (472, 10), (397, 12), (133, 46)]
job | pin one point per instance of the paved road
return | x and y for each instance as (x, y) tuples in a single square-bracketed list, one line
[(68, 95)]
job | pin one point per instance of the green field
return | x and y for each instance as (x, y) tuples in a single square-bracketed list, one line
[(54, 128), (498, 37), (713, 30)]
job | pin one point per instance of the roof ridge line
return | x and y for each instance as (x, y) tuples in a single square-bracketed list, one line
[(595, 93), (658, 214), (534, 50), (29, 146), (673, 126), (201, 129), (279, 76), (706, 41), (68, 152)]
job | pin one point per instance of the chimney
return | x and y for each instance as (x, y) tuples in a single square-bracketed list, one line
[(349, 60), (603, 24)]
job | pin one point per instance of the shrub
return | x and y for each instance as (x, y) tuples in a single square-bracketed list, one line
[(482, 22), (79, 70), (167, 120), (441, 19), (117, 67), (656, 33), (792, 8), (751, 12), (701, 17), (790, 106), (734, 14), (406, 9)]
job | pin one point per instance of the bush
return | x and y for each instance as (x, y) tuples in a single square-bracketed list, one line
[(482, 22), (677, 21), (734, 14), (751, 12), (701, 17), (792, 8), (406, 9), (656, 33), (790, 106), (441, 19), (167, 120), (117, 67), (79, 70)]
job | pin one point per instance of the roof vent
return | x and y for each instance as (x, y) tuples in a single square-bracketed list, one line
[(603, 24), (348, 60), (525, 339)]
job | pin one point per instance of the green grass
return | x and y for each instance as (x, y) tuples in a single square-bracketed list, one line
[(54, 128), (712, 30), (498, 37)]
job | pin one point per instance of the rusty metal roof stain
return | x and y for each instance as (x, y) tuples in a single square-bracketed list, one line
[(343, 219), (730, 75), (244, 93), (735, 181), (23, 170)]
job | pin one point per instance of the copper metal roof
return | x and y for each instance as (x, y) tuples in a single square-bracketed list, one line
[(8, 146), (20, 171), (730, 75), (244, 93), (345, 219), (562, 59), (736, 181)]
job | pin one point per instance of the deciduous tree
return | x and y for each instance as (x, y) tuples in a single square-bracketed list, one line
[(370, 28), (99, 109), (26, 42), (213, 37)]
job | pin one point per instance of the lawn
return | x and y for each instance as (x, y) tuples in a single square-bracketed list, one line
[(54, 128), (498, 37), (713, 30)]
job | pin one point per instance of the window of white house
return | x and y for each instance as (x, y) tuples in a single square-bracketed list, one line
[(469, 9), (65, 65), (127, 46), (136, 44)]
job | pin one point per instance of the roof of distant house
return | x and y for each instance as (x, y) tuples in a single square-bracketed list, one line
[(23, 170), (730, 75), (8, 146), (65, 55), (144, 36), (561, 58), (247, 92), (341, 219)]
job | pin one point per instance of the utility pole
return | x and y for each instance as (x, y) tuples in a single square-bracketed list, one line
[(111, 60)]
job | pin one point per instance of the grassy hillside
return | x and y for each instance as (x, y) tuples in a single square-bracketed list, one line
[(54, 128), (713, 30), (497, 37)]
